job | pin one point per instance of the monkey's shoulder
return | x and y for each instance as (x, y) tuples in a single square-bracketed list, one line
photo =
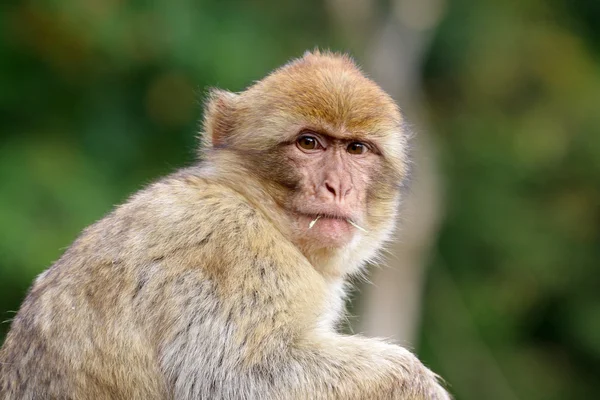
[(180, 213), (183, 222)]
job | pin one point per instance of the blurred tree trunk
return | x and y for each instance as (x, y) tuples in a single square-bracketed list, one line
[(394, 52)]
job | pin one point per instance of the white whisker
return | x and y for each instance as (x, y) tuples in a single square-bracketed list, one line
[(356, 226), (313, 222)]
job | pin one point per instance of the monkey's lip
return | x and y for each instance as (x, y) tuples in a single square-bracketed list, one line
[(324, 216), (331, 228)]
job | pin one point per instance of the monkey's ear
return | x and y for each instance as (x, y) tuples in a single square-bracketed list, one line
[(218, 117)]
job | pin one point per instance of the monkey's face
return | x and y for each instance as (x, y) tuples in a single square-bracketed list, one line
[(341, 152), (328, 204), (327, 144)]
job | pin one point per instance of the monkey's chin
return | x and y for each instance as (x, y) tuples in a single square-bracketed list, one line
[(325, 231)]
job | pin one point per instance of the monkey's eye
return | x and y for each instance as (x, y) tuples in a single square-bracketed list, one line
[(308, 143), (357, 148)]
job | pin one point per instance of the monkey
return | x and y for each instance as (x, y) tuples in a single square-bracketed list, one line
[(227, 278)]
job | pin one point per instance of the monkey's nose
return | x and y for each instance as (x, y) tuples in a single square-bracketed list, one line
[(330, 188), (338, 190)]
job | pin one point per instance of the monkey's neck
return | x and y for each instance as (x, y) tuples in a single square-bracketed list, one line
[(330, 262), (226, 169)]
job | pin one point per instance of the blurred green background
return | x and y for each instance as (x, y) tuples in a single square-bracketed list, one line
[(99, 97)]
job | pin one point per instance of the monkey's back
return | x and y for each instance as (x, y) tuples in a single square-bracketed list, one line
[(93, 324)]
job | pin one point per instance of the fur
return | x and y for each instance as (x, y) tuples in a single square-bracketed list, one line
[(193, 289)]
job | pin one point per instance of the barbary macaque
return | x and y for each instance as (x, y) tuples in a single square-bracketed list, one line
[(226, 280)]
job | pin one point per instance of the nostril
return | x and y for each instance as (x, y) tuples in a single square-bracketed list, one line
[(330, 188)]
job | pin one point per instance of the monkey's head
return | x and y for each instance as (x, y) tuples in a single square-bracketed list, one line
[(326, 143)]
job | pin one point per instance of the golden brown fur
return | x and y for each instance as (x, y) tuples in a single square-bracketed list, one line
[(200, 287)]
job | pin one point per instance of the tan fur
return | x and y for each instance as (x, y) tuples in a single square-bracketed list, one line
[(195, 289)]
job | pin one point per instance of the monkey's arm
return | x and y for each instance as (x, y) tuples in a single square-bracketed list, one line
[(262, 345), (353, 367)]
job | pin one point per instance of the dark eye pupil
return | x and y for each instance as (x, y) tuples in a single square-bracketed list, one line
[(355, 148), (308, 143)]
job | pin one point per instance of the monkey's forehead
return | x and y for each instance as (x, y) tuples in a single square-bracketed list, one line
[(331, 92)]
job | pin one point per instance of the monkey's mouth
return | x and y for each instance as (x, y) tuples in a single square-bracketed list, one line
[(331, 229), (325, 216)]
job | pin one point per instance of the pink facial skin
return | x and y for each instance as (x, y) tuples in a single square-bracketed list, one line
[(334, 175)]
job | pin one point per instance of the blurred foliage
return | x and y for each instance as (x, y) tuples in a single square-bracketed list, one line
[(98, 97), (514, 95)]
